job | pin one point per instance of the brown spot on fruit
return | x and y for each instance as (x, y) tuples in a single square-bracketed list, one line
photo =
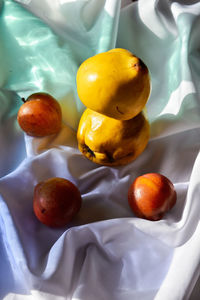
[(117, 108)]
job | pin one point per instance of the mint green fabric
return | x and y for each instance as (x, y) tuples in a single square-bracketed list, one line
[(165, 35), (33, 57)]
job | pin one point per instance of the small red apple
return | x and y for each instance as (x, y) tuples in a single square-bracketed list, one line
[(151, 195), (56, 201), (40, 115)]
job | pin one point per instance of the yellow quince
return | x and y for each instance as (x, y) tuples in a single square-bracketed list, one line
[(115, 83), (109, 141)]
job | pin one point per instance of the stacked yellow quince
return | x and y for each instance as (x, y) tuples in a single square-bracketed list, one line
[(114, 86)]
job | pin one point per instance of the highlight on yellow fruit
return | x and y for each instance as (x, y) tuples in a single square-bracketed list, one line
[(109, 141), (114, 83)]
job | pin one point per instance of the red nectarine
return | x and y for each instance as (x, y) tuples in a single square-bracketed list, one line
[(56, 201), (40, 115), (151, 195)]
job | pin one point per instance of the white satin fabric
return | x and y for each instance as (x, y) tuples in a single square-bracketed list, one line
[(107, 253)]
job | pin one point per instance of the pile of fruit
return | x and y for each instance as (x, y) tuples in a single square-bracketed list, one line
[(113, 130), (114, 86)]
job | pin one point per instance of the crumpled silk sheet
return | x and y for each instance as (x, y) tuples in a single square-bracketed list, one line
[(106, 253)]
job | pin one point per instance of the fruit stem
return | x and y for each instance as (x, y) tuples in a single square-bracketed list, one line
[(23, 99)]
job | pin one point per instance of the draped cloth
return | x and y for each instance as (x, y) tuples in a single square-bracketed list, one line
[(105, 252)]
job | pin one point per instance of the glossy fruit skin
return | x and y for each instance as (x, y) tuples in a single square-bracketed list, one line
[(56, 201), (112, 142), (151, 195), (114, 83), (40, 115)]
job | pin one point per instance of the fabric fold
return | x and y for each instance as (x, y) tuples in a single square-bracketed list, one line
[(105, 252)]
